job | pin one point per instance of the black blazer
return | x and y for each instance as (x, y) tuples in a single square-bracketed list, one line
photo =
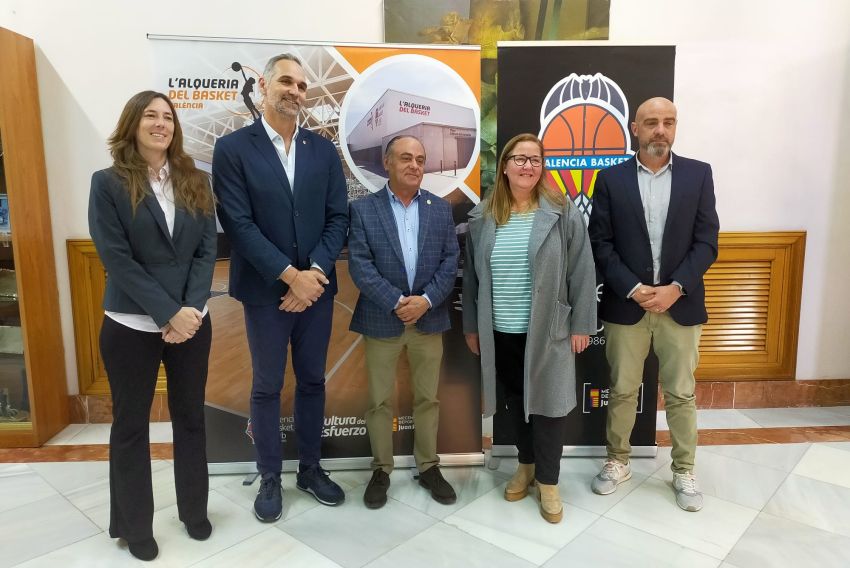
[(620, 239), (148, 271)]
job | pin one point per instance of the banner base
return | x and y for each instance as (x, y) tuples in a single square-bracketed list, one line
[(337, 464), (579, 451)]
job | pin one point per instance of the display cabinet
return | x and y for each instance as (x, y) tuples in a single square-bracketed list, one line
[(33, 385)]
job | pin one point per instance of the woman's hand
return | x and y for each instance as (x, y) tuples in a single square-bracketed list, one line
[(580, 342), (171, 336), (472, 342), (186, 322)]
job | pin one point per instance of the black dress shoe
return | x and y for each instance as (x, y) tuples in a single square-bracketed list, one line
[(432, 480), (200, 530), (144, 549), (376, 492)]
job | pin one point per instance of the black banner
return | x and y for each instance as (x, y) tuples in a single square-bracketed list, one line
[(580, 100)]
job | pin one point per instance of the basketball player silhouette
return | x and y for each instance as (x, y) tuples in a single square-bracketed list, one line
[(247, 90)]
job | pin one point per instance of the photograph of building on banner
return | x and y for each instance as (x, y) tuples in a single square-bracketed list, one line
[(484, 23), (359, 98)]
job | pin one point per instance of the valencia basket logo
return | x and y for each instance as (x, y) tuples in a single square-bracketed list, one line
[(583, 126)]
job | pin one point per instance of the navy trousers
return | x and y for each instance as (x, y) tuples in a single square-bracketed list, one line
[(270, 330)]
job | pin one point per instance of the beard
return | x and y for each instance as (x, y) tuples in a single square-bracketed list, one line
[(287, 107), (657, 149)]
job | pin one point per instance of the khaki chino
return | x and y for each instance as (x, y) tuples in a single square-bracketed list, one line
[(424, 353), (676, 346)]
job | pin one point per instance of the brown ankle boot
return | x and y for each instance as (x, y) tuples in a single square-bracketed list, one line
[(517, 487), (551, 507)]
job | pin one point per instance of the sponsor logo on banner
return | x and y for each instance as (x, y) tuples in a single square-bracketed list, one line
[(596, 398), (402, 423), (249, 431), (287, 424), (344, 426), (235, 88), (583, 126)]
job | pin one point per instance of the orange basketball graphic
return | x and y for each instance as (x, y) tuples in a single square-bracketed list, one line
[(583, 129)]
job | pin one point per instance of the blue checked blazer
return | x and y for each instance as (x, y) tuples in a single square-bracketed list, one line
[(376, 264)]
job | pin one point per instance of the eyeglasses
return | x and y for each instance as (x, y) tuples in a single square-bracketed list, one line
[(521, 159)]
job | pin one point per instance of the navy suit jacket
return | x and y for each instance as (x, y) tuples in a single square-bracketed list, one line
[(620, 240), (149, 271), (376, 264), (267, 226)]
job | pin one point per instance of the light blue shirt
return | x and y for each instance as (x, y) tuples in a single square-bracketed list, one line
[(407, 225), (655, 198), (655, 191)]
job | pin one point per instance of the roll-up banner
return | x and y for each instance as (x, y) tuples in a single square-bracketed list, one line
[(359, 97), (580, 100)]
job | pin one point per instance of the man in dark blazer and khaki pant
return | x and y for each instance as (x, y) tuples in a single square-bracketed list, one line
[(403, 255), (654, 231), (283, 204)]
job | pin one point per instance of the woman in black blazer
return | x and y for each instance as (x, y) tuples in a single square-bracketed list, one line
[(151, 216)]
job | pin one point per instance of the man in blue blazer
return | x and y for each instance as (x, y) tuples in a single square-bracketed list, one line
[(653, 230), (403, 256), (282, 201)]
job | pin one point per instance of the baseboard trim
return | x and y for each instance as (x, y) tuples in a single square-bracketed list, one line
[(770, 394)]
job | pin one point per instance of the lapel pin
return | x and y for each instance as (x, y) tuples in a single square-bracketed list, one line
[(428, 202), (303, 141)]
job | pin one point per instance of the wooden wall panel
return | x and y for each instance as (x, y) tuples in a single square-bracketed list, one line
[(88, 285), (752, 294), (753, 300)]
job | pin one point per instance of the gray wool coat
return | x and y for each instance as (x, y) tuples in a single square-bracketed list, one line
[(559, 255)]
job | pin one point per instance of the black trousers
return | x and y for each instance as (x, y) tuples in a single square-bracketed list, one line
[(132, 361), (540, 440)]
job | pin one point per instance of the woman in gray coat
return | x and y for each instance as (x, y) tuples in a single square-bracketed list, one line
[(529, 304)]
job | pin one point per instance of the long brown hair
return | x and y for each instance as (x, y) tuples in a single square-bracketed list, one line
[(501, 200), (191, 185)]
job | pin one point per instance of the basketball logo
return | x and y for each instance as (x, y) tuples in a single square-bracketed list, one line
[(583, 128)]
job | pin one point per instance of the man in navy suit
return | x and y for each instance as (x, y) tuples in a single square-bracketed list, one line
[(403, 256), (653, 230), (284, 206)]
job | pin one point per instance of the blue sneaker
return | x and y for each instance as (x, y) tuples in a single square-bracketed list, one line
[(268, 504), (316, 481)]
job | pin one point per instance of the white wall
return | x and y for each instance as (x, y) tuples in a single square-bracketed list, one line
[(763, 94), (763, 91)]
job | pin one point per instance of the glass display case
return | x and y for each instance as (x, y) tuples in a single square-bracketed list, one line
[(33, 383), (14, 395)]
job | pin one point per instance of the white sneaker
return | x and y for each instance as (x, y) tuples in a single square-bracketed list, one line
[(613, 474), (688, 496)]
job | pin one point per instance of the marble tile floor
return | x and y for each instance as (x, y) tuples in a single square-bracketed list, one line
[(771, 504)]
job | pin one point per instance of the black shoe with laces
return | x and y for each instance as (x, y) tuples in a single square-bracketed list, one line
[(375, 496), (316, 481), (432, 480), (268, 505)]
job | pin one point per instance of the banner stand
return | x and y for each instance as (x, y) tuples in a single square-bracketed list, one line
[(340, 464), (494, 459), (360, 96)]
